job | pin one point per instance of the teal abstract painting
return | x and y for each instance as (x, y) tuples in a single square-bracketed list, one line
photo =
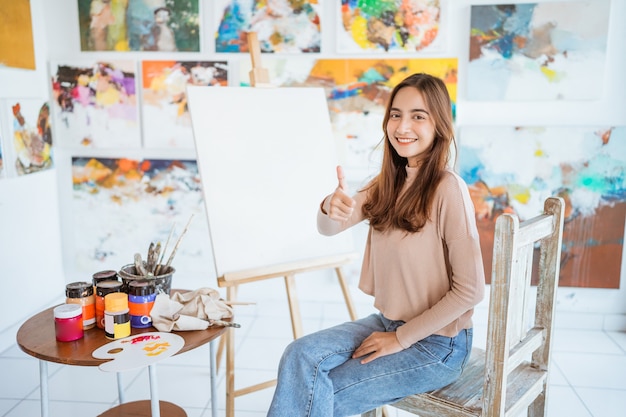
[(538, 51), (514, 169)]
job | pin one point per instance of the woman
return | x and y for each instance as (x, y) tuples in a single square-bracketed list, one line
[(422, 264)]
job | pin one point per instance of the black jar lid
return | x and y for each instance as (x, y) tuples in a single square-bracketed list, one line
[(107, 287), (141, 287), (108, 275), (78, 289)]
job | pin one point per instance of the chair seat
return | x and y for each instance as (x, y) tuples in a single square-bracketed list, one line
[(463, 397)]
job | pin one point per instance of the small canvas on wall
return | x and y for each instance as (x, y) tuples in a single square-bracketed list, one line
[(17, 48), (282, 26), (139, 25), (95, 104), (390, 26), (166, 119), (514, 169), (121, 205), (538, 51), (31, 135)]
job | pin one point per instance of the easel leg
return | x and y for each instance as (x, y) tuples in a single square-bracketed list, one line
[(294, 306), (231, 295), (230, 362), (346, 293)]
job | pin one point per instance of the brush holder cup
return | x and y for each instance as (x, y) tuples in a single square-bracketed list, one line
[(162, 281)]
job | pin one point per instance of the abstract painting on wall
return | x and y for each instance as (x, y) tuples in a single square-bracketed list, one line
[(282, 26), (166, 119), (390, 26), (514, 169), (139, 25), (538, 51), (17, 48), (356, 92), (31, 135), (120, 205), (95, 104)]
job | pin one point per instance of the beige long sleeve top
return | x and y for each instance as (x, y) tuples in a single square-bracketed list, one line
[(431, 279)]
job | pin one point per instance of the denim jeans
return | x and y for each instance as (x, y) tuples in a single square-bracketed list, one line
[(318, 378)]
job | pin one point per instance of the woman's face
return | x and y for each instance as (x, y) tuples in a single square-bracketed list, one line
[(410, 128)]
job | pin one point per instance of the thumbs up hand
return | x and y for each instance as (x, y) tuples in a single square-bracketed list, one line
[(340, 204)]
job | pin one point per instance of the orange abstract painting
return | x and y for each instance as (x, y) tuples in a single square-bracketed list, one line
[(17, 49)]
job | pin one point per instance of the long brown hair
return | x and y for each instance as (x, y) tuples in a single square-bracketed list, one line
[(383, 207)]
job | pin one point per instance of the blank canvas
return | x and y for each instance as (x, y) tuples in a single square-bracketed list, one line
[(267, 158)]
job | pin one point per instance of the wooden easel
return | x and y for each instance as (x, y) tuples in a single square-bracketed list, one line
[(259, 77)]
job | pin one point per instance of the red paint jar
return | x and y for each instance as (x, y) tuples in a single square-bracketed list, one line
[(68, 322)]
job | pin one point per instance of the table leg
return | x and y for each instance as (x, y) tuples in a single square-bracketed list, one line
[(154, 391), (213, 377), (43, 387), (120, 387)]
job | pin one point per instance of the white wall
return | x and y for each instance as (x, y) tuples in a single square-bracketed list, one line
[(30, 252), (56, 38)]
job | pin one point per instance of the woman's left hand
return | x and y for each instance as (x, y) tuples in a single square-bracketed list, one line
[(376, 345)]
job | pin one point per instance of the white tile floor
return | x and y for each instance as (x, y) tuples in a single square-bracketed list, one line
[(588, 376)]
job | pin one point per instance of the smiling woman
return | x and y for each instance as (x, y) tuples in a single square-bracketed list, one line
[(422, 265)]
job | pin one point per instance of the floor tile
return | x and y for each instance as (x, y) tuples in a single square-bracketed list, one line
[(604, 402), (592, 370)]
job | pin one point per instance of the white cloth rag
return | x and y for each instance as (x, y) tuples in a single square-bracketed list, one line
[(192, 310)]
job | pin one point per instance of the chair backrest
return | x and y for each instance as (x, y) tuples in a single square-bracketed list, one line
[(516, 337)]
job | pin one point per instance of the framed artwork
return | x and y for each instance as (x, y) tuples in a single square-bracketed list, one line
[(17, 48), (166, 119), (139, 25), (282, 26), (121, 205), (514, 169), (31, 135), (538, 51), (95, 104), (390, 26), (356, 92)]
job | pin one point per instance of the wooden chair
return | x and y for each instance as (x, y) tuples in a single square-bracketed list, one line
[(510, 378)]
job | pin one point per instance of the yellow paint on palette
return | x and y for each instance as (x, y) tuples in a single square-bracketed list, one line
[(17, 49)]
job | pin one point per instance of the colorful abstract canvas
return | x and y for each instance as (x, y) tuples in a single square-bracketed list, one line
[(357, 91), (390, 26), (17, 48), (166, 119), (139, 25), (282, 26), (31, 134), (538, 51), (514, 169), (121, 205), (95, 104)]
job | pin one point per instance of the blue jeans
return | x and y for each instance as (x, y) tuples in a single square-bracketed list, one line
[(318, 378)]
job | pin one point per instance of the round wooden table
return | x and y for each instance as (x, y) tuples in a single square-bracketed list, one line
[(37, 338)]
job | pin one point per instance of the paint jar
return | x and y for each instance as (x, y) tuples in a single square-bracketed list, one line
[(103, 276), (82, 293), (102, 289), (68, 322), (141, 296), (116, 316)]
